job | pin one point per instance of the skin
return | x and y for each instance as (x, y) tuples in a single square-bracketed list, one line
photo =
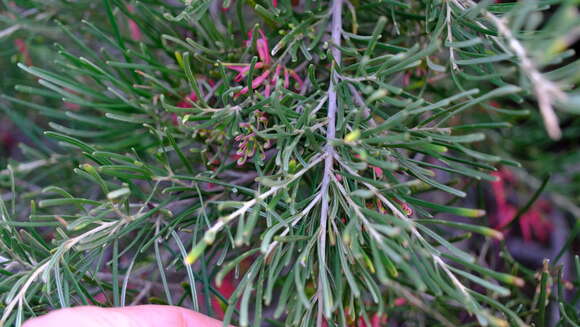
[(135, 316)]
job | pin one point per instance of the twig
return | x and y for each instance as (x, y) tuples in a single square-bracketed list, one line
[(418, 302), (6, 32), (139, 282), (20, 296), (210, 233), (297, 218), (398, 213), (366, 110), (28, 166), (450, 37), (146, 289), (546, 91)]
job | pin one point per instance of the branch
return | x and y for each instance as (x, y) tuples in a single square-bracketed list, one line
[(336, 31)]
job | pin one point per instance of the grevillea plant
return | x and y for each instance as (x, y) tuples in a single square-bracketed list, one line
[(270, 163)]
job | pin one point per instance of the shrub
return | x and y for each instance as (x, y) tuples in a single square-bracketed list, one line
[(277, 162)]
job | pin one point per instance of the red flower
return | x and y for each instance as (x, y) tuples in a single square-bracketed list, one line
[(133, 27), (407, 210), (505, 211), (23, 49), (226, 289), (376, 321), (378, 171), (265, 78), (532, 223), (400, 301), (248, 140), (186, 102)]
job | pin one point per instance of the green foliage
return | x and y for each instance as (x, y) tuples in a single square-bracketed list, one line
[(303, 174)]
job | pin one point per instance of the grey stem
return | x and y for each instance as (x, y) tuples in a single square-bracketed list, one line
[(336, 31)]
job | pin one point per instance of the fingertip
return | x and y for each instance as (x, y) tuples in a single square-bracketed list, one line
[(141, 315), (79, 316), (85, 316), (157, 315)]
